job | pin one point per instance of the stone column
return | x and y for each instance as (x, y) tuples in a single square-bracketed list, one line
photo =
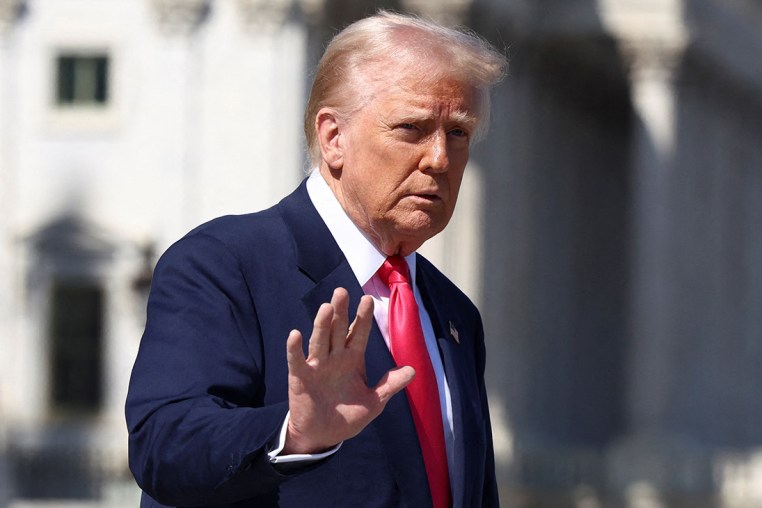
[(180, 17), (9, 15), (275, 43), (265, 15), (175, 125), (312, 10), (244, 90), (651, 462), (653, 96), (9, 11)]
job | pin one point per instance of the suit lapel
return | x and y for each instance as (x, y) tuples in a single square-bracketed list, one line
[(321, 260), (445, 321)]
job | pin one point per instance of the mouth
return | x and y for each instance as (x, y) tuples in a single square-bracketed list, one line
[(426, 198)]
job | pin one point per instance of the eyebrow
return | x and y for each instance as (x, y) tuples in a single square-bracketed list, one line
[(459, 116), (465, 118)]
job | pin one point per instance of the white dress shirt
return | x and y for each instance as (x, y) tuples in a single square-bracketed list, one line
[(365, 260)]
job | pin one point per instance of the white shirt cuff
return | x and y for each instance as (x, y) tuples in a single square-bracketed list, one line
[(276, 458)]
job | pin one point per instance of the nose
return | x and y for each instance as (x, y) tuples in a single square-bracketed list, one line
[(435, 158)]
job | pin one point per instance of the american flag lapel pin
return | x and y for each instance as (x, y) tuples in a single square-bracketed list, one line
[(454, 333)]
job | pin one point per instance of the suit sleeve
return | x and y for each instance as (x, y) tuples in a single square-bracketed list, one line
[(198, 428)]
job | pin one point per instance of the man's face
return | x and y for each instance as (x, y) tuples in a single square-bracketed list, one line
[(403, 157)]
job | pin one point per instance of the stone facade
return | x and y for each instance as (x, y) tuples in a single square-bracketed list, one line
[(624, 283), (610, 226)]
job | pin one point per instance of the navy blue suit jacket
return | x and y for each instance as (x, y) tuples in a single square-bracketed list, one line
[(208, 391)]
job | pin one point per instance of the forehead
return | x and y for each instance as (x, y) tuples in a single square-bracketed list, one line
[(440, 99), (418, 89)]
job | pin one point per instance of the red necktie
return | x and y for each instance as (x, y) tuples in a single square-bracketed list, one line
[(409, 348)]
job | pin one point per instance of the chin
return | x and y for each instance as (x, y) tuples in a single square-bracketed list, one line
[(417, 225), (421, 233)]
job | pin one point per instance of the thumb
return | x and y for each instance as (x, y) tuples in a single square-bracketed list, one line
[(393, 382)]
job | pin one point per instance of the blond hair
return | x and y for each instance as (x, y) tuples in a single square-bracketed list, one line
[(343, 81)]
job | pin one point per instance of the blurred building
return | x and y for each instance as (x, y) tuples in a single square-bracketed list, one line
[(610, 227)]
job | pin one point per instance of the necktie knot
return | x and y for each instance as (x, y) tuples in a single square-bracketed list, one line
[(394, 271)]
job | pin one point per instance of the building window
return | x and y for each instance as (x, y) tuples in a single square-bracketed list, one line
[(82, 80), (76, 332)]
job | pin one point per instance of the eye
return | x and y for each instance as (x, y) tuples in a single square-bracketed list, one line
[(408, 132), (458, 132)]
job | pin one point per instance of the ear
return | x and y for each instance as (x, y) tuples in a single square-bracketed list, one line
[(329, 137)]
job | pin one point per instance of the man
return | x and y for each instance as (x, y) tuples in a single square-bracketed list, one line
[(225, 409)]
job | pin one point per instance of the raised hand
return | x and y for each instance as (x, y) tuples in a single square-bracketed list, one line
[(328, 394)]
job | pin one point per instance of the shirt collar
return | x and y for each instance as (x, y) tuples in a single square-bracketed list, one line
[(363, 257)]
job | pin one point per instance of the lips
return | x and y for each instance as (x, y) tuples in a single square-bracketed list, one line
[(425, 201), (427, 196)]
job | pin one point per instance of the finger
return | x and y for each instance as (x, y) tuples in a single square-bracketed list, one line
[(320, 339), (360, 329), (340, 304), (393, 382), (294, 353)]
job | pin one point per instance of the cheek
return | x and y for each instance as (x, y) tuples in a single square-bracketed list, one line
[(374, 191)]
